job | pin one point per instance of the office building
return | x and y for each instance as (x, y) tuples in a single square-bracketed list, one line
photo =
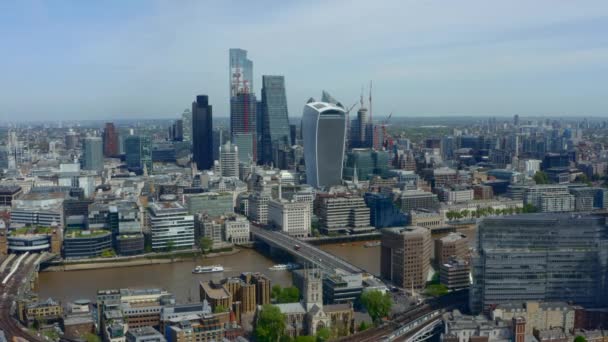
[(290, 217), (456, 194), (236, 229), (359, 128), (39, 209), (8, 193), (549, 198), (417, 199), (138, 151), (324, 131), (275, 123), (243, 125), (240, 72), (540, 257), (383, 212), (110, 140), (93, 154), (342, 213), (365, 163), (405, 256), (229, 160), (202, 133), (453, 245), (258, 207), (211, 204), (86, 243), (455, 274), (584, 198), (144, 334), (171, 227)]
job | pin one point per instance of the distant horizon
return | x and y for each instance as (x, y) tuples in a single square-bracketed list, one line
[(70, 60)]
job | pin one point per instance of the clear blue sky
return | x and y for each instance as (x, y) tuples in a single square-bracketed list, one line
[(111, 59)]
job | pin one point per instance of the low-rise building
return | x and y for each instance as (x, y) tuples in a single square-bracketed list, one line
[(86, 243), (144, 334), (455, 274), (340, 213)]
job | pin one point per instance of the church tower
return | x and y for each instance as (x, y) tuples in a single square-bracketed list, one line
[(313, 289)]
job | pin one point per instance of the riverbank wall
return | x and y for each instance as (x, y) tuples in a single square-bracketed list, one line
[(140, 260)]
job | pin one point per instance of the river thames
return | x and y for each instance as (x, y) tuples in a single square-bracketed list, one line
[(177, 277)]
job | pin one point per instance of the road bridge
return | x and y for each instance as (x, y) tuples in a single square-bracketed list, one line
[(304, 253)]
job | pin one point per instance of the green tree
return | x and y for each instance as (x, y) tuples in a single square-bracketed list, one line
[(541, 178), (323, 334), (170, 245), (205, 243), (289, 295), (529, 208), (583, 179), (270, 324), (305, 338), (363, 326), (580, 338), (220, 308), (275, 292), (377, 304)]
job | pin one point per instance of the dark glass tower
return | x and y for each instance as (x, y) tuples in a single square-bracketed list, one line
[(275, 122), (110, 140), (202, 133), (138, 153)]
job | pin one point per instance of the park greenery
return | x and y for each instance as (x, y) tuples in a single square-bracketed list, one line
[(108, 253), (206, 244), (270, 325), (377, 304), (541, 177), (434, 288), (285, 295)]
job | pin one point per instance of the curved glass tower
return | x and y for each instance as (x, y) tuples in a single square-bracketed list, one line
[(323, 130)]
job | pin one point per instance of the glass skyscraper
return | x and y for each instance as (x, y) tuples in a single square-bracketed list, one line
[(241, 72), (540, 257), (93, 154), (202, 133), (275, 121), (324, 131), (243, 125), (138, 152)]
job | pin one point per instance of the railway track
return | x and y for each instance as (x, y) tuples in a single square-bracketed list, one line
[(8, 292)]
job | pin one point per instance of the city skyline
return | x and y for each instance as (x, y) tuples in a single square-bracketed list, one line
[(473, 58)]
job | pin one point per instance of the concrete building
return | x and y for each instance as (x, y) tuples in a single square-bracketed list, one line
[(405, 256), (584, 198), (290, 217), (40, 208), (8, 193), (463, 328), (456, 194), (451, 245), (258, 207), (144, 334), (549, 198), (342, 213), (455, 274), (444, 176), (229, 160), (86, 243), (540, 257), (538, 315), (170, 226), (236, 229)]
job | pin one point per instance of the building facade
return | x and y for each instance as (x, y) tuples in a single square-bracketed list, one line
[(202, 133), (540, 257), (324, 131), (170, 226), (405, 256)]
